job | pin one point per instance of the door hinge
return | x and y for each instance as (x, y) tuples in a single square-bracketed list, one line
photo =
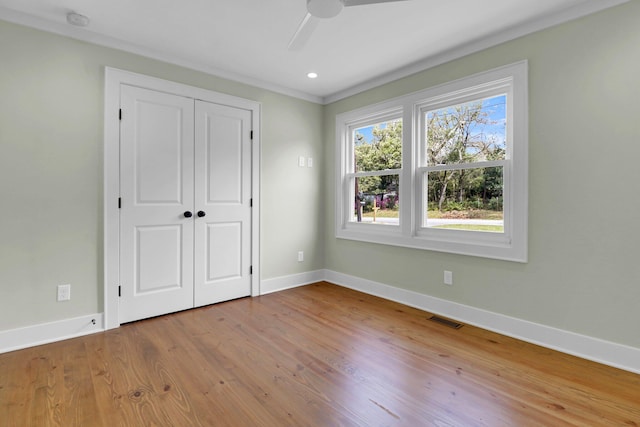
[(251, 269), (250, 203), (119, 290), (251, 135), (120, 114), (119, 202)]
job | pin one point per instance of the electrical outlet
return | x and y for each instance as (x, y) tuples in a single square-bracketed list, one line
[(310, 162), (300, 256), (301, 161), (64, 292), (448, 278)]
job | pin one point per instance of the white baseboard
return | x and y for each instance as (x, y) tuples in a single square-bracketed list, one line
[(44, 333), (276, 284), (594, 349), (597, 350)]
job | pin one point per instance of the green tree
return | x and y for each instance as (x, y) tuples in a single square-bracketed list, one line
[(455, 135), (382, 153)]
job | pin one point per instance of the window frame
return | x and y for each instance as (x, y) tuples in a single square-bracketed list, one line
[(511, 245), (351, 174)]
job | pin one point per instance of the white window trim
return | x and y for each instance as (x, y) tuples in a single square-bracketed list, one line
[(510, 245), (383, 116)]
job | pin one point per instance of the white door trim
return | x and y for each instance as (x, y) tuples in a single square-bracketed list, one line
[(113, 79)]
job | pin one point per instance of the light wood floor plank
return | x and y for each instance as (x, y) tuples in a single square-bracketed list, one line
[(318, 355)]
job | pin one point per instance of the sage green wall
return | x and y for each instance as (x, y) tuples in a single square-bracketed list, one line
[(583, 273), (51, 172), (582, 276)]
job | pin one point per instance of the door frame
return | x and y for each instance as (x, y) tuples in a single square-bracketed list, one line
[(114, 78)]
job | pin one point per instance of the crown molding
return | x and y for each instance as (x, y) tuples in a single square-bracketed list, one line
[(509, 34), (512, 33), (85, 35)]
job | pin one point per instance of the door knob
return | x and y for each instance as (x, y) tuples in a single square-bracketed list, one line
[(201, 213), (188, 214)]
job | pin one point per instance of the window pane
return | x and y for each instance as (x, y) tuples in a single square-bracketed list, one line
[(468, 199), (378, 147), (377, 200), (466, 133)]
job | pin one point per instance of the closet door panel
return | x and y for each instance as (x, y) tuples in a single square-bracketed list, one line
[(223, 195), (156, 179), (224, 243), (224, 144)]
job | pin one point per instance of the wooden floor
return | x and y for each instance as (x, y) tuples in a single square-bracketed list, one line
[(318, 355)]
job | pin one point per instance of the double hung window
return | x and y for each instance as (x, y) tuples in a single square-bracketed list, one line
[(442, 169), (376, 147)]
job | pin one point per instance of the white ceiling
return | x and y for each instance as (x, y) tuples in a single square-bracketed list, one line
[(246, 40)]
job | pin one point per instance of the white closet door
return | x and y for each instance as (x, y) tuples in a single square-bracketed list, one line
[(222, 203), (156, 172)]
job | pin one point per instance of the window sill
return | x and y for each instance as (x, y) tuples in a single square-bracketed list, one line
[(494, 247)]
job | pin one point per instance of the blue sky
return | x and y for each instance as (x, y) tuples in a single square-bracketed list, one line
[(495, 106), (367, 132)]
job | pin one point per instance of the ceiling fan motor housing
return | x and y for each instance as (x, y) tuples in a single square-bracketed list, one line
[(324, 8)]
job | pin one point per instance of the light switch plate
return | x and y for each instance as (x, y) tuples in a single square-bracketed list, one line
[(64, 292), (448, 277)]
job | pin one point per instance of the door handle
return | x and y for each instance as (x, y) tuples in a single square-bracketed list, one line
[(201, 213), (188, 214)]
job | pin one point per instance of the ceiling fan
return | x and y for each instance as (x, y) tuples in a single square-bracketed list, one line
[(322, 9)]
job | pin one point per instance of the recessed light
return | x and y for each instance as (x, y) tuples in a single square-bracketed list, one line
[(77, 19), (312, 75)]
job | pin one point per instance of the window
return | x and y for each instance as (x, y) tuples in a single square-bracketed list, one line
[(463, 165), (442, 169), (375, 176)]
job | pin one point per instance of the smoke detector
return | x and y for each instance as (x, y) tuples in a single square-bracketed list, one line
[(76, 19)]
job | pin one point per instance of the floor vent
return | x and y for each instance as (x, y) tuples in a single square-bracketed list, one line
[(446, 322)]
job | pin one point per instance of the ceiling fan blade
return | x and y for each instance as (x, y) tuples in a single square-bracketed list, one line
[(303, 33), (363, 2)]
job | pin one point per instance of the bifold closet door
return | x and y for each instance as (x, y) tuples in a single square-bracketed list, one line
[(157, 181), (222, 202)]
